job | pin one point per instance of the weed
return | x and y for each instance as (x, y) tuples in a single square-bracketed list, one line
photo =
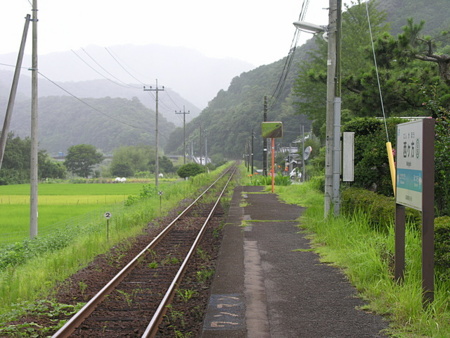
[(83, 286), (128, 296), (204, 275), (179, 334), (153, 265), (170, 261), (185, 294), (202, 254)]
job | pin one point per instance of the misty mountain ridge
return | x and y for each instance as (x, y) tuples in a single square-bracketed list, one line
[(195, 77)]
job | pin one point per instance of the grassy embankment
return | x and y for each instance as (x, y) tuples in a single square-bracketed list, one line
[(366, 257), (77, 243)]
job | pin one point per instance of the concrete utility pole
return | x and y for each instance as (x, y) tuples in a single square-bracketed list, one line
[(156, 131), (333, 117), (12, 95), (34, 129), (265, 139), (184, 131)]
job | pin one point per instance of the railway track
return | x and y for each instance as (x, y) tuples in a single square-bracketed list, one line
[(135, 300)]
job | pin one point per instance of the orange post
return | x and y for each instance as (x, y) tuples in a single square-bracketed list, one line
[(273, 165)]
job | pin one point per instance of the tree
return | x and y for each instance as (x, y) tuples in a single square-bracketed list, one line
[(310, 85), (190, 170), (121, 169), (166, 165), (81, 159), (16, 163), (135, 158)]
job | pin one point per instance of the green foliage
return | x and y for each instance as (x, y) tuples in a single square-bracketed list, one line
[(16, 163), (371, 161), (115, 122), (20, 252), (121, 170), (190, 170), (166, 165), (132, 159), (380, 210), (41, 308), (442, 247), (81, 159), (267, 180)]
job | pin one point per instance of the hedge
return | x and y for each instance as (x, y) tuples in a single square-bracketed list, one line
[(381, 213)]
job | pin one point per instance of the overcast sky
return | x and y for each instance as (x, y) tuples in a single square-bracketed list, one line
[(256, 31)]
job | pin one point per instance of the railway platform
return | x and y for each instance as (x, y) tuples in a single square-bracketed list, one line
[(268, 284)]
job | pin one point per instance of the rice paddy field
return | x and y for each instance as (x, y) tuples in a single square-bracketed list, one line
[(57, 205)]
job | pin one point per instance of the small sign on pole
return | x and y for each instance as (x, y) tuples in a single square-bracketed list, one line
[(108, 217), (160, 193), (272, 130)]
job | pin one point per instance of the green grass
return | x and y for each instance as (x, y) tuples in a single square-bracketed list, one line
[(56, 203), (36, 266), (366, 257), (73, 189)]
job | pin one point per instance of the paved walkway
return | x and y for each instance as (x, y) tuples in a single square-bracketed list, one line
[(266, 287)]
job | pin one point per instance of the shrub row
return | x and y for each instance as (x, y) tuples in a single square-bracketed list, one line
[(381, 213), (380, 209)]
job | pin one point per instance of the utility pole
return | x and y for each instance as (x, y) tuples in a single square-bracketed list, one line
[(200, 145), (156, 131), (253, 137), (265, 140), (332, 156), (34, 129), (184, 131), (12, 95)]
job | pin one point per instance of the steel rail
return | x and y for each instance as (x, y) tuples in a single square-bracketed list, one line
[(152, 327), (73, 323)]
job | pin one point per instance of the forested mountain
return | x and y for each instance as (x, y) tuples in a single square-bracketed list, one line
[(106, 123), (169, 100), (233, 114), (434, 12)]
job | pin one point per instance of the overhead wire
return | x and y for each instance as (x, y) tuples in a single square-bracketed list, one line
[(288, 60), (88, 104), (95, 70), (115, 58), (104, 69)]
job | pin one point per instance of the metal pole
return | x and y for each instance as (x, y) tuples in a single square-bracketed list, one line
[(12, 95), (34, 129)]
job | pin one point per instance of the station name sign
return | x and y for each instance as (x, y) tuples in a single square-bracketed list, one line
[(410, 164)]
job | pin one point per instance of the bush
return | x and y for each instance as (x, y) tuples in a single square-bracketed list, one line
[(442, 247), (190, 170), (371, 161), (379, 209)]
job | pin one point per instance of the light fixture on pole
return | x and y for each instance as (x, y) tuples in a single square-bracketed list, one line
[(333, 110)]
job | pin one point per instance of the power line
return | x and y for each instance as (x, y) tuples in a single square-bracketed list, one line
[(89, 105), (120, 64), (104, 69), (95, 70), (289, 58)]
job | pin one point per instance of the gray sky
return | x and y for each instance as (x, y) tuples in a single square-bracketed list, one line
[(256, 31)]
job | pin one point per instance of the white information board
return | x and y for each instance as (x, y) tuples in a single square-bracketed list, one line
[(410, 164)]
